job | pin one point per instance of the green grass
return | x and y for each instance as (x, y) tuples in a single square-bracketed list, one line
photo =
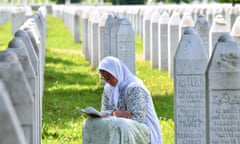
[(6, 35), (70, 83)]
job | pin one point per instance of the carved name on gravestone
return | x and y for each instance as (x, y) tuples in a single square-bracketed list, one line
[(223, 92), (190, 63), (11, 131)]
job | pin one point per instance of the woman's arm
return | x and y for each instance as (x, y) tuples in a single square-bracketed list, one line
[(137, 104)]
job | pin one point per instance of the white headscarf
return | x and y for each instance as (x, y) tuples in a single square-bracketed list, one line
[(121, 72)]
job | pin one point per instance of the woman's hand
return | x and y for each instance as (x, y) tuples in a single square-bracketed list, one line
[(122, 113)]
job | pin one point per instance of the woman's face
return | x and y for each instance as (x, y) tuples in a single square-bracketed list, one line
[(108, 78)]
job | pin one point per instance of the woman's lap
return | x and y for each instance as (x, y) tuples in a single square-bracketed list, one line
[(113, 130)]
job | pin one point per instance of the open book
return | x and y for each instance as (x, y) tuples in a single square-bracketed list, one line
[(90, 111)]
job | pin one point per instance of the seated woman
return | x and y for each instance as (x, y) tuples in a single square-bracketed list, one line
[(129, 116)]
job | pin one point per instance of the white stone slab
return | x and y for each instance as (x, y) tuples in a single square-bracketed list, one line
[(163, 41), (11, 131), (154, 38), (126, 44), (19, 90), (223, 92), (105, 26), (218, 28), (146, 33), (202, 27), (173, 39), (189, 89)]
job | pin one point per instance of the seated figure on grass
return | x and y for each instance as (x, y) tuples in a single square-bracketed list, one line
[(128, 114)]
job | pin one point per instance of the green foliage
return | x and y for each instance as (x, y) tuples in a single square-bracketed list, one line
[(70, 84)]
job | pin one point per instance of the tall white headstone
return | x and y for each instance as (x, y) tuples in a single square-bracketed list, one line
[(190, 63), (173, 39), (163, 41), (202, 27), (223, 92)]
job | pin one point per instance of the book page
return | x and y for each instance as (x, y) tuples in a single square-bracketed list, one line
[(90, 111)]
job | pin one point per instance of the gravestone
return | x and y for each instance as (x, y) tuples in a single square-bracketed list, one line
[(11, 131), (218, 28), (235, 32), (202, 27), (146, 33), (186, 21), (4, 15), (105, 26), (17, 19), (173, 39), (190, 63), (85, 48), (94, 39), (223, 92), (163, 41), (126, 44), (93, 13), (154, 39), (114, 30), (16, 83)]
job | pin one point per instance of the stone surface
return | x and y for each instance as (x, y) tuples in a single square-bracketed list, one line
[(189, 89), (223, 93)]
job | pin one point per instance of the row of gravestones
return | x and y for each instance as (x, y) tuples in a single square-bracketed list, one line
[(160, 27), (207, 90), (103, 34), (15, 14), (21, 82)]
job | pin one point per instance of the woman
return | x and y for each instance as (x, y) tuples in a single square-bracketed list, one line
[(128, 112)]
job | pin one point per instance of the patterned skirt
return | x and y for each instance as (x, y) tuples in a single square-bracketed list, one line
[(114, 130)]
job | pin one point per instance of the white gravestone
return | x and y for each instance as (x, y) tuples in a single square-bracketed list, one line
[(163, 41), (11, 131), (218, 28), (92, 14), (126, 44), (114, 30), (16, 83), (223, 92), (84, 20), (202, 27), (190, 63), (235, 32), (173, 39), (105, 26), (94, 40), (186, 21), (146, 33), (154, 38), (17, 46)]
